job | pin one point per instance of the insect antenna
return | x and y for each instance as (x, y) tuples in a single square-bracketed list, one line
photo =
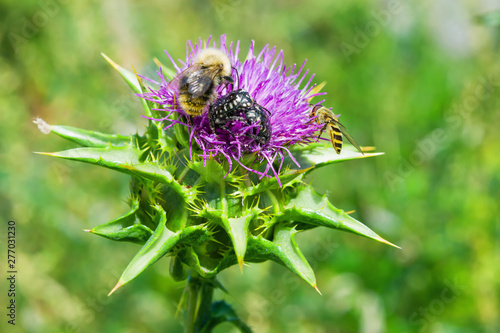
[(237, 76)]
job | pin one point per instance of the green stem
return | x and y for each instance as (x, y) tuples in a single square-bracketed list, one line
[(205, 304), (183, 174), (274, 200), (223, 199), (192, 297), (199, 302)]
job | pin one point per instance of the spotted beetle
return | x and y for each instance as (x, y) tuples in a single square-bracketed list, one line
[(239, 105)]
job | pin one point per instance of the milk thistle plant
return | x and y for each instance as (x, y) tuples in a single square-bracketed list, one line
[(208, 201)]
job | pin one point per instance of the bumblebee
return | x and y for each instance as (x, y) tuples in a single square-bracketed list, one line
[(330, 122), (198, 82), (239, 105)]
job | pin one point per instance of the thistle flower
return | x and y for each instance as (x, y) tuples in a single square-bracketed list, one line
[(201, 212), (271, 83)]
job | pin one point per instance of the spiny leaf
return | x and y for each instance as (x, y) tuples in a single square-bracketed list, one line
[(317, 155), (178, 270), (181, 132), (125, 228), (91, 138), (127, 75), (284, 238), (314, 210), (126, 160), (154, 172), (159, 244), (146, 104), (222, 312), (236, 228), (148, 254), (283, 250), (110, 157), (212, 171), (203, 265), (287, 178)]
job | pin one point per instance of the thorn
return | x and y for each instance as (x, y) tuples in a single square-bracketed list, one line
[(240, 263), (118, 285), (371, 155), (367, 148), (350, 212), (111, 62), (137, 76), (42, 153), (388, 243), (87, 230), (157, 62), (316, 287)]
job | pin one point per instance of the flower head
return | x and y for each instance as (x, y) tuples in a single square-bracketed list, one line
[(271, 83)]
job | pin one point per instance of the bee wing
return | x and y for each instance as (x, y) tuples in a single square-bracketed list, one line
[(200, 81), (176, 79), (348, 136)]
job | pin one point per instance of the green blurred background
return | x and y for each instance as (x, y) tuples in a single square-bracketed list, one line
[(418, 80)]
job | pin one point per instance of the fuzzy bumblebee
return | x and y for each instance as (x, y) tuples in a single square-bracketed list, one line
[(198, 82)]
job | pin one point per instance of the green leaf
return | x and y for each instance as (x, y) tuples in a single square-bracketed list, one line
[(176, 200), (91, 138), (287, 178), (125, 228), (317, 155), (212, 171), (190, 258), (180, 131), (221, 312), (159, 244), (314, 210), (146, 104), (236, 228), (127, 160), (115, 158), (152, 251), (283, 250), (127, 75), (178, 271), (154, 172), (205, 266)]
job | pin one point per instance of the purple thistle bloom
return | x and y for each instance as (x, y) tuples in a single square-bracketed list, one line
[(271, 84)]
